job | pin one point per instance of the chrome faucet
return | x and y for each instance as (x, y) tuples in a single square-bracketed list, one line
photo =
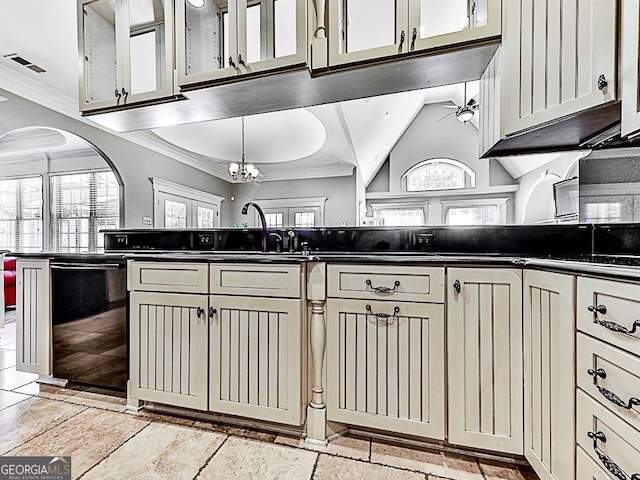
[(278, 240), (263, 221), (292, 236)]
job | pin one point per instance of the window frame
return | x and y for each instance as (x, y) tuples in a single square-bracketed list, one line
[(469, 175), (424, 205), (44, 211), (500, 203), (191, 196)]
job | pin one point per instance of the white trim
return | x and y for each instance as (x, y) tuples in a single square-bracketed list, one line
[(447, 161), (165, 186), (307, 173), (543, 178), (459, 192)]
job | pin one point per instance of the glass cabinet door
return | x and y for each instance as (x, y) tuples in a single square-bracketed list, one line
[(367, 29), (434, 23), (148, 49), (101, 76)]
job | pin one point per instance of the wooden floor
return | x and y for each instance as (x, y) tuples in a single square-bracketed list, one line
[(105, 443)]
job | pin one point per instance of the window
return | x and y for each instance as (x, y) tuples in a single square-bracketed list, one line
[(21, 224), (274, 220), (488, 215), (175, 214), (177, 206), (401, 217), (439, 174), (304, 219), (291, 212), (82, 204)]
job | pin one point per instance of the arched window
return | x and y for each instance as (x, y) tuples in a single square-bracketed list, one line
[(438, 174)]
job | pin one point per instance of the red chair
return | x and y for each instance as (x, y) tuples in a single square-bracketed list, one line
[(9, 281)]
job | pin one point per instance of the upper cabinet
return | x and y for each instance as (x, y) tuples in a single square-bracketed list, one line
[(363, 30), (126, 52), (227, 38), (630, 67), (557, 60)]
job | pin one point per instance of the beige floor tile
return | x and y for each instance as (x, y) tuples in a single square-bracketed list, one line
[(10, 378), (45, 390), (242, 459), (335, 468), (432, 462), (160, 451), (98, 400), (7, 358), (11, 398), (25, 420), (349, 447), (498, 471), (88, 438)]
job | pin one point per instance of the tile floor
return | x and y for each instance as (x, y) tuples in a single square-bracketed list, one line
[(105, 442)]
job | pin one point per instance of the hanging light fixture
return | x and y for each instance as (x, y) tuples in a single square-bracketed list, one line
[(196, 3), (246, 172)]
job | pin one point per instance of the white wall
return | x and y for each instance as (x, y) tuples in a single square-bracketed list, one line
[(134, 163), (340, 192)]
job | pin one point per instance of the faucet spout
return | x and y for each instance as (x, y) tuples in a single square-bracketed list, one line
[(263, 221)]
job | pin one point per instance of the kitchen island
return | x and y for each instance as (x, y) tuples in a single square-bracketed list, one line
[(466, 351)]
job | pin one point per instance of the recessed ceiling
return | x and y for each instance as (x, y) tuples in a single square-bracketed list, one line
[(269, 138)]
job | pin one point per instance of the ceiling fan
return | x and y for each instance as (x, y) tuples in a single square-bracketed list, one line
[(464, 113)]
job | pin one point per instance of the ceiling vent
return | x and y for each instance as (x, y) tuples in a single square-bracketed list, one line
[(25, 63)]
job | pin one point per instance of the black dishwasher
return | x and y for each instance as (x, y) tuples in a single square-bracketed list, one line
[(90, 326)]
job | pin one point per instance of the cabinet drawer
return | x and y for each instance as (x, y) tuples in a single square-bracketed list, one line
[(618, 374), (616, 312), (587, 469), (370, 282), (168, 277), (257, 280), (616, 443)]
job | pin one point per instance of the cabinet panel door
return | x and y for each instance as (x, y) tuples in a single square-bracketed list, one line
[(256, 368), (33, 317), (630, 67), (549, 347), (361, 30), (555, 53), (169, 348), (386, 372), (484, 340)]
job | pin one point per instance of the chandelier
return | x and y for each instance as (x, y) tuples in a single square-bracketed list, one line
[(246, 172)]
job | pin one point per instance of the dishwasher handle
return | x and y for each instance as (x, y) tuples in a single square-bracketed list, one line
[(87, 266)]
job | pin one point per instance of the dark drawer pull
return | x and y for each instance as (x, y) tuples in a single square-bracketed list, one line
[(383, 319), (199, 311), (609, 464), (609, 395), (383, 290), (457, 286), (613, 326)]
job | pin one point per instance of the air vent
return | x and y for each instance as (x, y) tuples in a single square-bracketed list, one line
[(25, 63)]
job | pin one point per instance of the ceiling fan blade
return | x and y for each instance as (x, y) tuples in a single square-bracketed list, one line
[(447, 116), (474, 101), (455, 107)]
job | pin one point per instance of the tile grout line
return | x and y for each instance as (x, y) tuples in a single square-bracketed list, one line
[(29, 397), (112, 451), (208, 461), (315, 466)]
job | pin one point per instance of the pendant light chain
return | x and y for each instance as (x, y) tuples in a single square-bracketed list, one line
[(244, 171)]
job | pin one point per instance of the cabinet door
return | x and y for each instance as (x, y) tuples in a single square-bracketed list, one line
[(484, 340), (549, 356), (630, 67), (361, 30), (554, 54), (256, 368), (460, 22), (98, 32), (147, 50), (385, 367), (169, 348), (33, 317)]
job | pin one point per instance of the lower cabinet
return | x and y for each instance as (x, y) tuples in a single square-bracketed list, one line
[(386, 366), (256, 362), (169, 348), (587, 469), (484, 345), (549, 359), (33, 317)]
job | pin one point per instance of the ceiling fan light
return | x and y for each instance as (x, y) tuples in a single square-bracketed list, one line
[(464, 115), (196, 3)]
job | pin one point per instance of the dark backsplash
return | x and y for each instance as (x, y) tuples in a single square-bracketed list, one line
[(538, 240)]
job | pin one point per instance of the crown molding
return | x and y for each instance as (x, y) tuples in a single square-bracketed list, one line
[(36, 92), (309, 173)]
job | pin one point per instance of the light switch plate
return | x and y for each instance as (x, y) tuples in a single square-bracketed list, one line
[(147, 221)]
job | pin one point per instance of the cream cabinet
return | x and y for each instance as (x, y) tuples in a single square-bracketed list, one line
[(256, 359), (484, 345), (557, 59), (169, 348), (359, 32), (126, 52), (385, 366), (33, 316), (630, 81), (229, 38), (549, 388)]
